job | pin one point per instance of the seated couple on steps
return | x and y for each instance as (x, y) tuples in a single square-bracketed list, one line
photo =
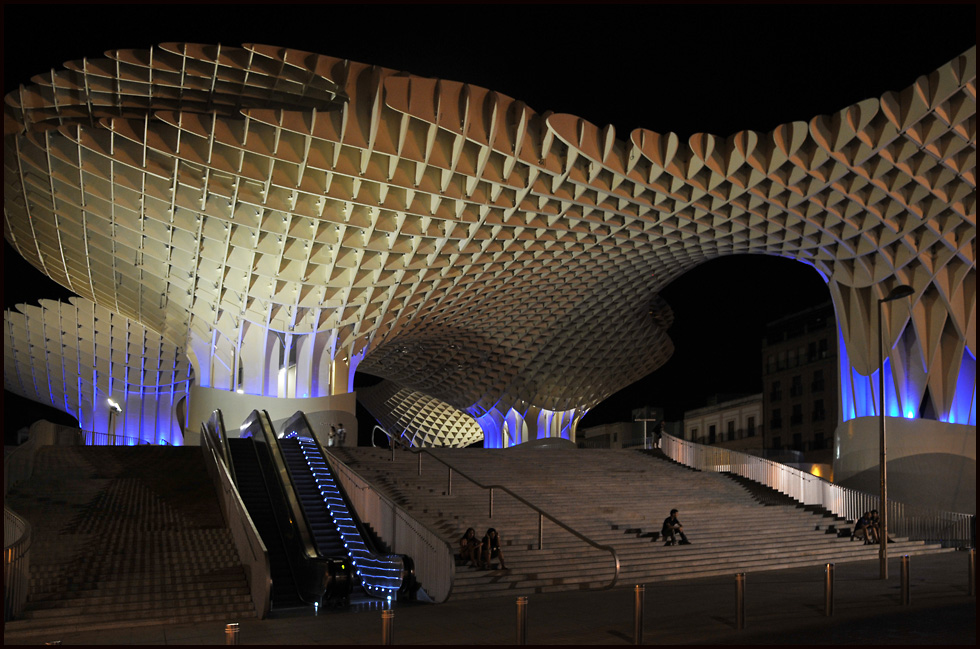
[(479, 554)]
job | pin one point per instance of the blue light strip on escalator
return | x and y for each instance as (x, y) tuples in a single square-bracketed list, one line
[(380, 575)]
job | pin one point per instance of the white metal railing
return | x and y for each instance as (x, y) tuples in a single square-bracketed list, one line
[(435, 566), (251, 550), (16, 563), (949, 528)]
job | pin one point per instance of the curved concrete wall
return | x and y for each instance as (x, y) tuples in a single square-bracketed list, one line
[(322, 412), (930, 463)]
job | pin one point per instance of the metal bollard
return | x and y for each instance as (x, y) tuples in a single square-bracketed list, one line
[(231, 633), (522, 620), (906, 593), (828, 590), (638, 592), (387, 627), (740, 601), (972, 579)]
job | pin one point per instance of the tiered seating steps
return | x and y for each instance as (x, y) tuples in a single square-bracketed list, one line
[(126, 536), (616, 498)]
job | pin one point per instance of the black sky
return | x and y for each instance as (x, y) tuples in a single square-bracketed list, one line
[(686, 69)]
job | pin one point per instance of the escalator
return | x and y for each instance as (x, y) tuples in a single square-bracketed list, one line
[(317, 548), (334, 527), (249, 472)]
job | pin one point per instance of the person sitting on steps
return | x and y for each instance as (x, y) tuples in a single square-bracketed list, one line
[(491, 549), (864, 530), (469, 548), (671, 527)]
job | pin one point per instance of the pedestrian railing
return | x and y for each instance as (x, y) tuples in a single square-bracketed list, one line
[(914, 522), (490, 489)]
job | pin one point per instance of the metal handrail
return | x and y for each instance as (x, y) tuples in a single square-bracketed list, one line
[(296, 511), (921, 523), (541, 513), (248, 542)]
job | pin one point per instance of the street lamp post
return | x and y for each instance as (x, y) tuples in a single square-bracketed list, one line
[(111, 432), (897, 293)]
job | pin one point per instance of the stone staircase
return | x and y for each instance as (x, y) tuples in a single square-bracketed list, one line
[(616, 498), (123, 537)]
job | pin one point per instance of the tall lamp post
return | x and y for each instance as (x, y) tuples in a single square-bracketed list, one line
[(897, 293), (111, 432)]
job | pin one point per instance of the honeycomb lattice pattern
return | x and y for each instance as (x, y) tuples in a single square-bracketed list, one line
[(433, 225), (417, 419)]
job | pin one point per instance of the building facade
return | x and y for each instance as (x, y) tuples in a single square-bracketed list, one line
[(799, 376), (734, 423)]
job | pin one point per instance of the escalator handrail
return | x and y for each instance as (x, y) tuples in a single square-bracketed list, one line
[(299, 420), (298, 515), (290, 559), (261, 593)]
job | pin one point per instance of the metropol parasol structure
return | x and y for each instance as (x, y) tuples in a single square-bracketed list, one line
[(246, 227)]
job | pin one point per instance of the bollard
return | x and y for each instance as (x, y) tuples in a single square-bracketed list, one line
[(387, 627), (231, 633), (828, 590), (906, 593), (522, 620), (740, 601), (638, 591), (971, 582)]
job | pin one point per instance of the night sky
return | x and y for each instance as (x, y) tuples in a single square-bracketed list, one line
[(687, 69)]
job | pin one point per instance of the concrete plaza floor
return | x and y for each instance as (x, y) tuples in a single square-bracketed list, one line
[(781, 607)]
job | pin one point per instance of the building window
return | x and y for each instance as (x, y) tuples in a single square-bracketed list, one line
[(797, 442), (775, 392), (731, 430), (797, 417), (777, 419), (796, 387), (819, 414), (751, 426), (818, 382), (823, 348), (818, 440), (811, 352), (711, 434), (694, 434), (771, 364), (777, 442)]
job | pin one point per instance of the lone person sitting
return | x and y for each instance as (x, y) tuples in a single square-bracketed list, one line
[(671, 527)]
